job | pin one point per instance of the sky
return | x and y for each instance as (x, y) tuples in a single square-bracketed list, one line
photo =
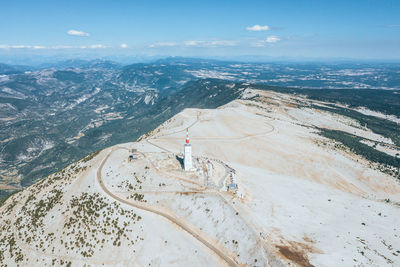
[(320, 29)]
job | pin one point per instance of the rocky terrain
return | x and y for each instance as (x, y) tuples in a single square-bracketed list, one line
[(54, 114), (313, 186)]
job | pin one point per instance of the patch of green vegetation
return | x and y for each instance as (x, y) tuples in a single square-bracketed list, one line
[(4, 199), (138, 197), (72, 76), (385, 101), (369, 153), (8, 244), (380, 126), (90, 217), (91, 156), (20, 104), (41, 207)]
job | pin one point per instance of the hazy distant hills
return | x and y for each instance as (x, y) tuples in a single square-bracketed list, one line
[(54, 114), (159, 77), (6, 69)]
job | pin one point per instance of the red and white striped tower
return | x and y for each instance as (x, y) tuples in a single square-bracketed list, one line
[(187, 159), (187, 136)]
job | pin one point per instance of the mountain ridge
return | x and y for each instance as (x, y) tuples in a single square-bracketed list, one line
[(107, 210)]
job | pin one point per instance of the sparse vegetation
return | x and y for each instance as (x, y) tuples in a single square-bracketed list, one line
[(92, 215), (380, 126), (385, 101), (4, 199), (387, 163), (91, 156)]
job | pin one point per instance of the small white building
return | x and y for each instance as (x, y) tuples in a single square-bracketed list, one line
[(187, 155), (232, 187)]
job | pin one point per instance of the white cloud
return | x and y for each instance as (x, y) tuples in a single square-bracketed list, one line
[(215, 43), (272, 39), (258, 44), (62, 47), (193, 43), (95, 46), (21, 47), (78, 33), (124, 46), (269, 40), (160, 44), (258, 28), (196, 43), (222, 43)]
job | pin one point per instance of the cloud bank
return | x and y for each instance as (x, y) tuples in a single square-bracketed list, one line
[(95, 46), (216, 43), (272, 39), (78, 33), (163, 44), (269, 40), (258, 28)]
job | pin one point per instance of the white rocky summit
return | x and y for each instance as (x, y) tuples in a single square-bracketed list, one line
[(265, 190)]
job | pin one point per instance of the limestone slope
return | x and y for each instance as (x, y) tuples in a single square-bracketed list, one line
[(300, 199)]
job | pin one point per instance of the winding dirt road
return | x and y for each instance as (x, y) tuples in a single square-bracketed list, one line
[(186, 227)]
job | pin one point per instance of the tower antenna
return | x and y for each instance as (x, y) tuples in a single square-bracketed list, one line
[(187, 153)]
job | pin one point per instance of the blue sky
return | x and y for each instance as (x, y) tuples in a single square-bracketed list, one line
[(356, 29)]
